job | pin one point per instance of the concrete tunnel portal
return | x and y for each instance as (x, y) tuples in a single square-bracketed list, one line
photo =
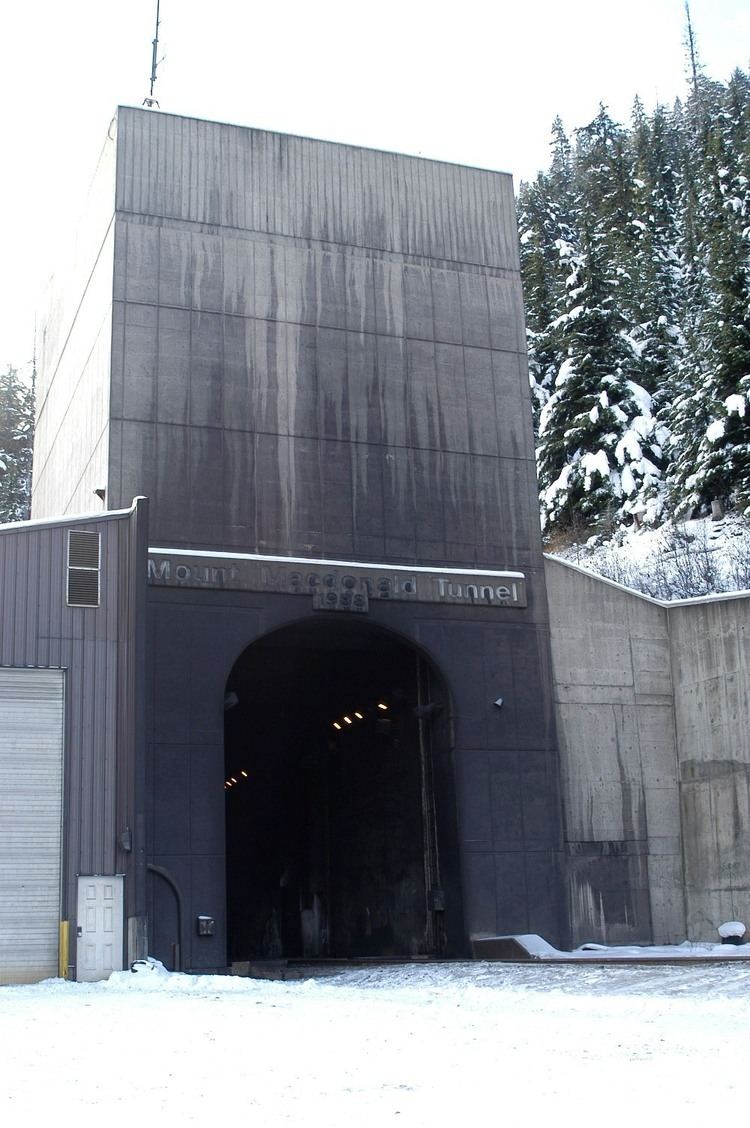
[(340, 799)]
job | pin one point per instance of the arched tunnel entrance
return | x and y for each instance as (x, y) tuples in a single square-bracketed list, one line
[(339, 794)]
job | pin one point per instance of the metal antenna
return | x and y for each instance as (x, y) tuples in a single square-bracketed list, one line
[(151, 101), (692, 50)]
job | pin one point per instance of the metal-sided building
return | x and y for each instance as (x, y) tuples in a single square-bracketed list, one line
[(71, 733), (310, 358)]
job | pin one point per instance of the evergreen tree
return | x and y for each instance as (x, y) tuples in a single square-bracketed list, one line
[(636, 268), (16, 440), (598, 452), (545, 210), (655, 295), (711, 456)]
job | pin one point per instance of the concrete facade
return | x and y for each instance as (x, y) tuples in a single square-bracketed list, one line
[(651, 704), (317, 353)]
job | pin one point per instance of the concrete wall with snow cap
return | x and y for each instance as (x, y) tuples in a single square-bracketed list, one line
[(615, 714), (653, 714), (710, 647)]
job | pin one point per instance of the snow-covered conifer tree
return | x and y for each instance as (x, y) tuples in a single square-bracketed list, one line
[(16, 439), (711, 418), (599, 449)]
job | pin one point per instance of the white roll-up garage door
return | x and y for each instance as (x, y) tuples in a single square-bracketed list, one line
[(31, 770)]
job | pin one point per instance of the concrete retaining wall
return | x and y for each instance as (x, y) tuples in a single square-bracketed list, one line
[(653, 717), (710, 649)]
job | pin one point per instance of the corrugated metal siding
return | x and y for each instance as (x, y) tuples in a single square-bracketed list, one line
[(96, 646), (31, 776), (173, 167)]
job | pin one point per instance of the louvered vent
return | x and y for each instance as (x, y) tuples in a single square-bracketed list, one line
[(83, 568)]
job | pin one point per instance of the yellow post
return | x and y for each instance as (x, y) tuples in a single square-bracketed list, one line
[(64, 949)]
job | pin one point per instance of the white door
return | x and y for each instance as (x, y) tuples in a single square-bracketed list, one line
[(31, 775), (99, 927)]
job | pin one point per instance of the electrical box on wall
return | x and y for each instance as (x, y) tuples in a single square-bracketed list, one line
[(205, 925)]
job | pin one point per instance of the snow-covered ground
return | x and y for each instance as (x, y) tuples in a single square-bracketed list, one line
[(433, 1045), (676, 561)]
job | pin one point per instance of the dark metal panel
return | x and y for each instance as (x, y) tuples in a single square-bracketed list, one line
[(140, 358), (206, 370), (390, 361), (239, 273), (481, 402), (302, 380), (271, 377), (21, 574), (360, 293), (512, 893), (505, 302), (475, 320), (120, 260), (170, 788), (337, 502), (452, 398), (480, 893), (239, 488), (175, 276), (491, 515), (429, 494), (207, 884), (272, 473), (399, 505), (447, 305), (389, 297), (232, 189), (7, 581), (421, 391), (206, 802), (206, 474), (475, 799), (174, 347), (117, 363), (305, 494), (513, 411), (420, 321), (330, 297), (207, 270), (363, 379), (137, 449), (142, 269), (333, 420), (462, 521), (508, 824), (301, 289), (368, 502)]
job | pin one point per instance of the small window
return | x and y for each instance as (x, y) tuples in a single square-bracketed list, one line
[(84, 551)]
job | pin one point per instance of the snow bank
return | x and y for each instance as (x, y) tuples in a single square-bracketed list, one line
[(686, 560)]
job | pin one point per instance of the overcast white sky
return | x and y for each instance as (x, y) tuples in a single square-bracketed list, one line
[(477, 82)]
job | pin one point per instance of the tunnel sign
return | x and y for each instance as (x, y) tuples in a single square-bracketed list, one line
[(334, 585)]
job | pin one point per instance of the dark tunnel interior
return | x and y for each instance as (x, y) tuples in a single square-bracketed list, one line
[(333, 848)]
